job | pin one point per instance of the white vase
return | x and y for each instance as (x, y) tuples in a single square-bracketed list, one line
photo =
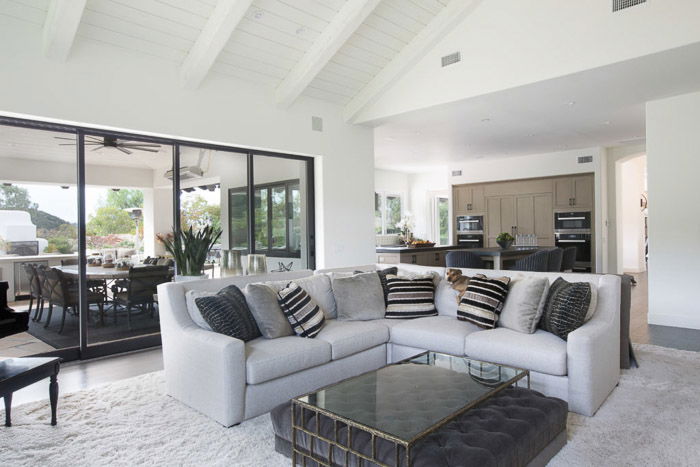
[(179, 278)]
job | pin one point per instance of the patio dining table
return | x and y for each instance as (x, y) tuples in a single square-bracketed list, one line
[(96, 272)]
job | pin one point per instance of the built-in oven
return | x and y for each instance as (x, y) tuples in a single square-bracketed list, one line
[(583, 244), (470, 240), (579, 221), (470, 224)]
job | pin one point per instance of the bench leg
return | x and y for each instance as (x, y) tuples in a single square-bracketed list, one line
[(53, 396), (8, 404)]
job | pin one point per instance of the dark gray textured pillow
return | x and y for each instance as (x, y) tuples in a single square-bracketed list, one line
[(227, 313), (566, 307), (270, 318), (359, 297)]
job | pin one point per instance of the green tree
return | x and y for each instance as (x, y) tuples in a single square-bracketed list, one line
[(197, 213), (110, 220), (15, 197), (123, 199)]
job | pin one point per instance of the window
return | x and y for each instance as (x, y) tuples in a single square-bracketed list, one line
[(387, 213), (278, 223), (442, 221)]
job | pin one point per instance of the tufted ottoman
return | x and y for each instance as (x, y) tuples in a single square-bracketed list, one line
[(516, 427)]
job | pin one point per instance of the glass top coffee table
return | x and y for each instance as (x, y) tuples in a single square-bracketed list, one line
[(399, 403)]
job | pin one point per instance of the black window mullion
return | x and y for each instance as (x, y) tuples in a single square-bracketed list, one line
[(83, 306), (251, 204)]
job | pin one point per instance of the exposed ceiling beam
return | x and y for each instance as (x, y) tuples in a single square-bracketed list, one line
[(216, 33), (60, 27), (425, 40), (352, 14)]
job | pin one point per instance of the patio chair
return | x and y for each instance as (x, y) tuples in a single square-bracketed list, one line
[(45, 288), (34, 286), (463, 259), (65, 294), (139, 289)]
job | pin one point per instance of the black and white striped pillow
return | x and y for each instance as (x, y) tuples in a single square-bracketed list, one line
[(303, 313), (410, 297), (483, 300)]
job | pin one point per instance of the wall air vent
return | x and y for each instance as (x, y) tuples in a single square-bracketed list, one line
[(456, 173), (451, 59), (316, 123), (585, 159), (623, 4)]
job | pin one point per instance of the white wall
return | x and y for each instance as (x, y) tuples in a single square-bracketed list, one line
[(673, 157), (111, 87), (548, 165), (392, 181), (510, 43), (631, 227)]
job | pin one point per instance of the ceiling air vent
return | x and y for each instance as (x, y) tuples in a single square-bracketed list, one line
[(316, 123), (456, 173), (622, 4), (585, 159), (451, 59)]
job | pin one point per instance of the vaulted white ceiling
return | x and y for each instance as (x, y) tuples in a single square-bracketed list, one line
[(342, 51)]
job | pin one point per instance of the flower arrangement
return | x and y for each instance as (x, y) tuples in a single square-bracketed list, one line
[(405, 225)]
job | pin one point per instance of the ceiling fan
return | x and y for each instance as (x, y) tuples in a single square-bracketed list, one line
[(112, 142)]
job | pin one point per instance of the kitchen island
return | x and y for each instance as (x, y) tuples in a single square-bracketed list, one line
[(435, 256)]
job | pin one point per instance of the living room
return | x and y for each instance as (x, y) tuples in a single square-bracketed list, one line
[(391, 104)]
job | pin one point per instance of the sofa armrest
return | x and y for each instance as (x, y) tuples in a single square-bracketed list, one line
[(204, 369), (593, 351)]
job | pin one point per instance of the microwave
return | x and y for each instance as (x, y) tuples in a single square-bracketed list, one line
[(470, 224), (578, 221)]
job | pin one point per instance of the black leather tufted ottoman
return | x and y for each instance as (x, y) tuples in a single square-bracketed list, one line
[(516, 427)]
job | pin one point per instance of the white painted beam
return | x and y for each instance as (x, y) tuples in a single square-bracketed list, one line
[(216, 33), (60, 27), (352, 14), (426, 39)]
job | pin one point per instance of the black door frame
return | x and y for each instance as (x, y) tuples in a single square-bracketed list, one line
[(84, 350)]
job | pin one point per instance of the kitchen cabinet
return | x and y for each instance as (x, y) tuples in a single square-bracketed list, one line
[(468, 199), (533, 216), (500, 217), (422, 257), (574, 191)]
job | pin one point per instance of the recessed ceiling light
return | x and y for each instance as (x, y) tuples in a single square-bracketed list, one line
[(485, 120), (418, 133), (301, 30), (606, 122), (571, 103), (258, 14), (531, 135), (65, 187)]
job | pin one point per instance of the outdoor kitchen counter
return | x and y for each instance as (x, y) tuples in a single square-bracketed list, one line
[(7, 268)]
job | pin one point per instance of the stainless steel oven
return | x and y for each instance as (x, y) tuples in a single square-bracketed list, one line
[(569, 222), (470, 240), (583, 244), (470, 224)]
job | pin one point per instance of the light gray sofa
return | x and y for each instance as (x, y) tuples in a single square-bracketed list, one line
[(231, 381)]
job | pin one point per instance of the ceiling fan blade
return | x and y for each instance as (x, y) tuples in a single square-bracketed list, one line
[(125, 151), (99, 146), (140, 145), (65, 137), (66, 144)]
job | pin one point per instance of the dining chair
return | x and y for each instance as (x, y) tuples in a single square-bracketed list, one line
[(139, 289), (46, 288), (34, 286), (69, 262), (463, 259), (65, 294), (569, 259), (536, 262), (555, 260)]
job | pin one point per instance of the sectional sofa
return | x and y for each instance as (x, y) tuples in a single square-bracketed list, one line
[(231, 381)]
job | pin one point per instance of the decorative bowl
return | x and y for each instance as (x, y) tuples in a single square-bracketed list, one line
[(421, 245)]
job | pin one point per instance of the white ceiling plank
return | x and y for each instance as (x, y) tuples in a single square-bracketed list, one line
[(339, 30), (216, 33), (443, 22), (62, 21)]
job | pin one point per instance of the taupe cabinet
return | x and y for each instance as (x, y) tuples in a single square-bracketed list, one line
[(523, 206), (422, 258)]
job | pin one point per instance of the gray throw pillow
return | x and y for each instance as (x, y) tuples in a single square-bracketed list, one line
[(359, 297), (525, 304), (319, 289), (263, 304)]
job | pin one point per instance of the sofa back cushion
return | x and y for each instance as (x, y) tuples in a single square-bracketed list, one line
[(319, 289), (483, 300), (359, 297), (525, 303), (262, 300), (193, 310), (410, 297), (301, 310), (446, 299)]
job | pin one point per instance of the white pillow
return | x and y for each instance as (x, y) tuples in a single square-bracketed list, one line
[(193, 310), (446, 299), (524, 304), (594, 303)]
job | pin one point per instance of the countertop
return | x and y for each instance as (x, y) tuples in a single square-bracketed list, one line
[(493, 251), (405, 249), (18, 258)]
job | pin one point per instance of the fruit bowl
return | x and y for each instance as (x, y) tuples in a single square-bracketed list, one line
[(421, 245)]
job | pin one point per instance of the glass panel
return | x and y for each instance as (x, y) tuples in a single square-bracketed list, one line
[(261, 219), (393, 214), (370, 398), (279, 216), (443, 212), (295, 230), (39, 232), (238, 212), (128, 204), (378, 213)]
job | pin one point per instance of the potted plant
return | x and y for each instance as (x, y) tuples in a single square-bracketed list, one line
[(504, 240), (190, 249), (405, 225)]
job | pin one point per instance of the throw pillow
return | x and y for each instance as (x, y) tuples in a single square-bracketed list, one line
[(566, 307), (301, 311), (525, 303), (266, 310), (359, 297), (192, 309), (382, 278), (446, 299), (594, 303), (227, 313), (319, 289), (410, 298), (483, 300)]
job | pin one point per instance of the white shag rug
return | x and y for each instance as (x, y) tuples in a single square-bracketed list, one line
[(652, 418)]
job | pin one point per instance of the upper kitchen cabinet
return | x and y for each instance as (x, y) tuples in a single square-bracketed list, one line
[(574, 192), (468, 199)]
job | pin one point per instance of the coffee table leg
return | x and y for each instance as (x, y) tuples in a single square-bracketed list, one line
[(53, 396), (8, 404)]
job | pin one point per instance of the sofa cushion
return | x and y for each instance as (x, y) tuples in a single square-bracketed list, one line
[(359, 297), (446, 299), (302, 312), (267, 359), (410, 297), (437, 333), (350, 337), (262, 300), (542, 351), (525, 304), (319, 289), (192, 308)]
